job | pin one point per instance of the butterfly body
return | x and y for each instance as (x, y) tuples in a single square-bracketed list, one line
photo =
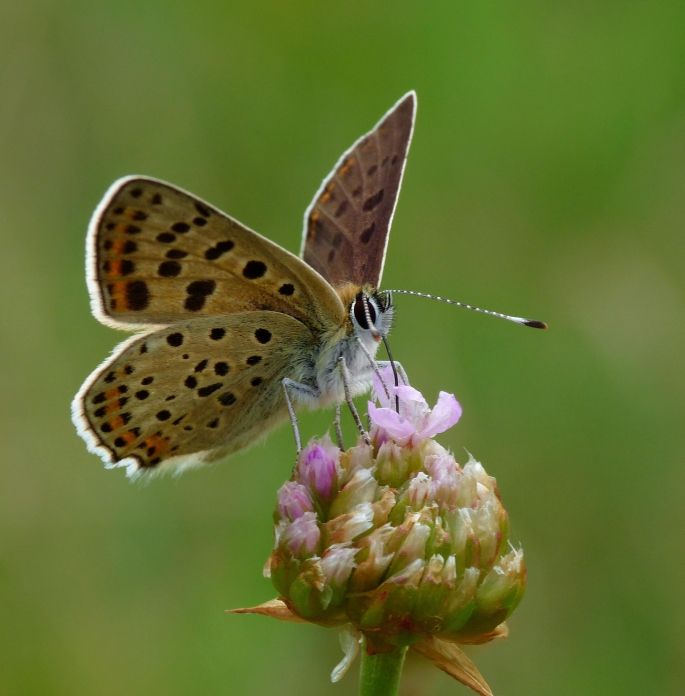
[(229, 318)]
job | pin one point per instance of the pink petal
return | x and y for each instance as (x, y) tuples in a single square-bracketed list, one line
[(445, 414), (410, 394), (397, 426), (413, 406)]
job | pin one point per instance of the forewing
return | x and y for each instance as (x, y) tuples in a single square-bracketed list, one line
[(194, 392), (157, 255), (347, 225)]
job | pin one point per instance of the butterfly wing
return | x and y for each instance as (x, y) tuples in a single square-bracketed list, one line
[(192, 392), (346, 227), (156, 255)]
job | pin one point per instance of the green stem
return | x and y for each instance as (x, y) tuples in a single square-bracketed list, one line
[(380, 674)]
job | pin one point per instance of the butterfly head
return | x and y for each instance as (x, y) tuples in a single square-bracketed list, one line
[(371, 314)]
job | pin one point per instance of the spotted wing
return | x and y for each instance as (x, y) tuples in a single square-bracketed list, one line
[(157, 255), (193, 392), (347, 225)]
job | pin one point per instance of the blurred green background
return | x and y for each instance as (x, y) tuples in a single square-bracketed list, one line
[(546, 179)]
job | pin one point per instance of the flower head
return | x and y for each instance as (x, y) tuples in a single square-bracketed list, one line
[(394, 540)]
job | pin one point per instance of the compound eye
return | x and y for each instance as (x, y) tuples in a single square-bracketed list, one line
[(360, 314)]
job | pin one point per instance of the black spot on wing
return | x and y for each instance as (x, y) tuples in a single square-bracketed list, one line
[(221, 369), (169, 269), (372, 201), (127, 267), (365, 236), (194, 303), (209, 389), (219, 249), (254, 270), (198, 291), (263, 335), (227, 399), (201, 287), (137, 295)]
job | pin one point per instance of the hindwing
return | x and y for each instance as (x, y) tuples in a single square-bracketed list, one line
[(192, 392)]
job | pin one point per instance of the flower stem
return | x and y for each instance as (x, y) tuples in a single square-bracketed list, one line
[(380, 673)]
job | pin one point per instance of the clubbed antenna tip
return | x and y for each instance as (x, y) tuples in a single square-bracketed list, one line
[(536, 324)]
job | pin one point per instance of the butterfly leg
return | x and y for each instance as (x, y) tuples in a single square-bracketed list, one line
[(374, 366), (348, 398), (291, 411), (398, 365), (338, 428), (305, 394)]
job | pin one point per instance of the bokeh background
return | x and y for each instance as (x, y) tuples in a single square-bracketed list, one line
[(546, 178)]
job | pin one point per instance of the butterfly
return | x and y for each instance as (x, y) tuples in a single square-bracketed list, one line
[(232, 327)]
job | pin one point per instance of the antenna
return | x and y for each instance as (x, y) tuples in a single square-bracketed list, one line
[(374, 331), (517, 320)]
